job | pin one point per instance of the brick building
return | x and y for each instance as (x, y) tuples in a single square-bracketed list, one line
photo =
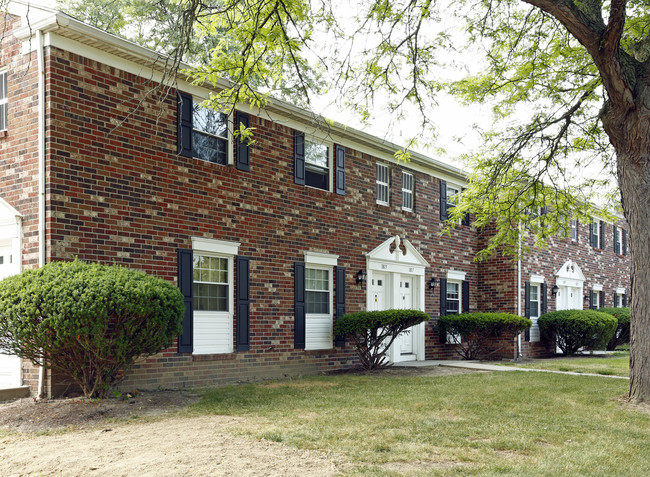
[(269, 243)]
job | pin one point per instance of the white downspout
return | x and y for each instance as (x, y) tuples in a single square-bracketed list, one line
[(41, 173), (519, 291)]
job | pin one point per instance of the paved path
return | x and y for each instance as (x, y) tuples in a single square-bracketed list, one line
[(493, 367)]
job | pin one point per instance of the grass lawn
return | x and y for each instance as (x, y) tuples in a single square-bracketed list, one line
[(518, 424), (616, 364)]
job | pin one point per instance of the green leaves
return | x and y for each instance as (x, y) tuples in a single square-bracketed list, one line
[(574, 329)]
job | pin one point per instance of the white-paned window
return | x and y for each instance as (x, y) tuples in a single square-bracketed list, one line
[(596, 234), (596, 298), (317, 164), (209, 134), (407, 191), (619, 300), (618, 240), (4, 101), (453, 196), (453, 297), (573, 224), (535, 303), (210, 283), (212, 288), (318, 307), (382, 184)]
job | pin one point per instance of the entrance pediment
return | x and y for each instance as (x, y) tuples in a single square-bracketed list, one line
[(569, 274), (397, 250)]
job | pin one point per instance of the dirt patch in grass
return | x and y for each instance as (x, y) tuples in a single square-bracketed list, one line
[(118, 437), (29, 415)]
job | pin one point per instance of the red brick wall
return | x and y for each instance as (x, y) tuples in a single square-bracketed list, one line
[(121, 194)]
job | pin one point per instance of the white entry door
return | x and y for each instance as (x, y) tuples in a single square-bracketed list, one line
[(378, 292), (9, 364), (569, 298), (404, 341)]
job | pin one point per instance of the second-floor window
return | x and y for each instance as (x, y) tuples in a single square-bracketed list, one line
[(317, 164), (382, 184), (574, 230), (4, 101), (209, 135), (203, 133), (596, 234), (407, 191)]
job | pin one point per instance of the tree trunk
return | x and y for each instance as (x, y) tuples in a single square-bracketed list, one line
[(630, 135)]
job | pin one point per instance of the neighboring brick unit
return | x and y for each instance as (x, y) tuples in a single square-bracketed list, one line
[(119, 192)]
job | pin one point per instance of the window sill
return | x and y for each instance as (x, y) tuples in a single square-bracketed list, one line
[(384, 204)]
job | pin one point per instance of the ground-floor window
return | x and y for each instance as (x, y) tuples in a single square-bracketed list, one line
[(319, 316)]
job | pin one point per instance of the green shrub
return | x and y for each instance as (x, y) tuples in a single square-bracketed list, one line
[(575, 329), (374, 331), (472, 332), (88, 321), (622, 333)]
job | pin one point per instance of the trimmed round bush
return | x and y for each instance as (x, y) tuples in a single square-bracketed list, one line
[(374, 331), (575, 329), (622, 333), (472, 332), (88, 321)]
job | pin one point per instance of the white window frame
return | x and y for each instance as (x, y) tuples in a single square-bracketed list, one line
[(197, 103), (382, 185), (330, 161), (619, 239), (319, 327), (596, 222), (455, 337), (213, 330), (4, 102), (408, 193), (597, 290), (573, 225), (452, 199)]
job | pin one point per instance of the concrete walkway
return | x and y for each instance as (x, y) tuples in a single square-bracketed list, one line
[(478, 366)]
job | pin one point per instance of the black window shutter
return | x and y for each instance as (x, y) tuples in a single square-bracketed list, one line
[(185, 265), (299, 157), (184, 122), (602, 235), (465, 297), (443, 306), (340, 170), (299, 305), (602, 299), (340, 301), (527, 307), (443, 201), (243, 151), (624, 299), (544, 288), (591, 235), (592, 300), (614, 296), (624, 242), (617, 246), (243, 303)]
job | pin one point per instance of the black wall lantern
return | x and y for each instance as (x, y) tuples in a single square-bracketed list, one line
[(361, 277), (432, 283), (554, 290)]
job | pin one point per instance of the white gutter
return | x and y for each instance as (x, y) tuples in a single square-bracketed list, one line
[(41, 174), (519, 354)]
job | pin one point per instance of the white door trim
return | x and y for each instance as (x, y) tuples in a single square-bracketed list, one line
[(404, 259)]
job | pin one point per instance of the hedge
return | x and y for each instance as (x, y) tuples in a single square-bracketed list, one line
[(88, 321), (575, 329), (622, 333), (373, 332), (473, 332)]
